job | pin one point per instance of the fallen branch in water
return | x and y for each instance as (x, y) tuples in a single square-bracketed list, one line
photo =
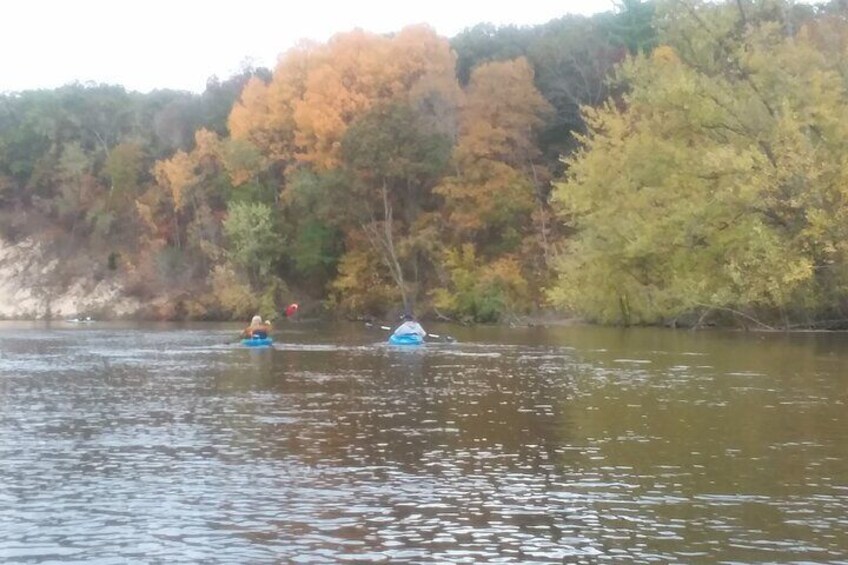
[(738, 313), (441, 316)]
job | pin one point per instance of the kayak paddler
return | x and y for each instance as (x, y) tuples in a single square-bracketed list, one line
[(409, 327), (291, 310), (257, 328)]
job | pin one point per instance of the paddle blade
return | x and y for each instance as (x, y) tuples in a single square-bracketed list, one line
[(291, 310), (447, 338)]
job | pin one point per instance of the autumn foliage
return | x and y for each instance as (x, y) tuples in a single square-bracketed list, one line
[(378, 122), (664, 163)]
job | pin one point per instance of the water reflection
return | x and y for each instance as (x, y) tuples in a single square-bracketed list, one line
[(167, 443)]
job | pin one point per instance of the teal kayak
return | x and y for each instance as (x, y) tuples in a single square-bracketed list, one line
[(406, 339), (257, 341)]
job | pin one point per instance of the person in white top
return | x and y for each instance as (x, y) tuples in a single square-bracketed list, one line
[(410, 327)]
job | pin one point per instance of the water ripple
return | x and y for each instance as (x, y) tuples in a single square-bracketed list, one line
[(123, 445)]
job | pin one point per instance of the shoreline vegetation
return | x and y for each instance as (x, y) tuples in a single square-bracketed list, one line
[(670, 163)]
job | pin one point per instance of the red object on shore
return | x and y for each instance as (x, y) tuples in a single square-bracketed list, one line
[(291, 310)]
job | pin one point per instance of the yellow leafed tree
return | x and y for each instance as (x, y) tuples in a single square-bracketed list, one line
[(718, 183)]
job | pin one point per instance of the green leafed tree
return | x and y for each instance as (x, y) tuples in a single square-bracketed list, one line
[(254, 243), (394, 162)]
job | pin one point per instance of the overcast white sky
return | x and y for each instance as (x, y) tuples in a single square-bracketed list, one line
[(149, 44)]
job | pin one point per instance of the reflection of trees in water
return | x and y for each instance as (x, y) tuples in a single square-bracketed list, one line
[(637, 398), (392, 407), (716, 430), (451, 404)]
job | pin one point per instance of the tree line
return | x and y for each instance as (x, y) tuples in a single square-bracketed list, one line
[(666, 161)]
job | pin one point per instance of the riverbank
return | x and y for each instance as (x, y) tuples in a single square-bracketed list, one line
[(37, 286)]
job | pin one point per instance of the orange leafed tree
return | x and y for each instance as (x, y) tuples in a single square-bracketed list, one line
[(300, 121), (496, 150), (264, 114), (356, 72), (503, 109), (176, 175), (318, 91), (489, 201), (189, 179)]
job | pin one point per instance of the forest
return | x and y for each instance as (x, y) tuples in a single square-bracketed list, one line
[(674, 162)]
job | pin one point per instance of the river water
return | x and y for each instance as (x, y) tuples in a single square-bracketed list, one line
[(168, 443)]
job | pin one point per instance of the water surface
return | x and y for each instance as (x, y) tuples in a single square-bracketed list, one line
[(171, 443)]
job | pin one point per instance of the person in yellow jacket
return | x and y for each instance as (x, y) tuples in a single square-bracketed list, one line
[(257, 328)]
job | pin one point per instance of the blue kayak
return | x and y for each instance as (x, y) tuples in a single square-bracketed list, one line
[(257, 341), (406, 339)]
